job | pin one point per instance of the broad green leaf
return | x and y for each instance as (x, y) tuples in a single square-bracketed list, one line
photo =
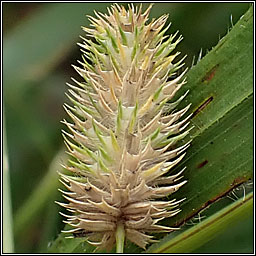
[(194, 237), (221, 153), (221, 88), (218, 160)]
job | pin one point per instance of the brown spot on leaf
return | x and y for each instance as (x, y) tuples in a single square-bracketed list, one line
[(238, 181), (210, 75), (202, 106), (202, 164)]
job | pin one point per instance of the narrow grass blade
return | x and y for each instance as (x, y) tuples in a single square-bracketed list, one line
[(40, 198)]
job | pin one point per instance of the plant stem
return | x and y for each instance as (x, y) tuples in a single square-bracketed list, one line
[(120, 235), (8, 246)]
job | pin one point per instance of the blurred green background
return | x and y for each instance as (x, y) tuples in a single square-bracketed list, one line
[(39, 46)]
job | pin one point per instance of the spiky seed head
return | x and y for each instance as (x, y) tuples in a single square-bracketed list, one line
[(122, 134)]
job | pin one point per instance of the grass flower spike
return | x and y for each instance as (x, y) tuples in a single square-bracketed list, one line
[(123, 131)]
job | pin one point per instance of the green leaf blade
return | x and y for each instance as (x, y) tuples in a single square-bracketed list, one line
[(207, 229)]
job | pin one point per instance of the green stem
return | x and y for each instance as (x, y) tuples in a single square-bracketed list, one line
[(8, 246), (120, 235)]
